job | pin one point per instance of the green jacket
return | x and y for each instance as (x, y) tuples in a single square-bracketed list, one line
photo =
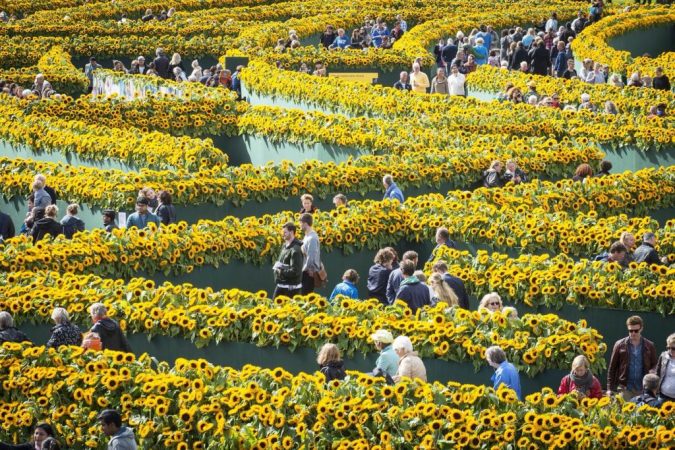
[(291, 258)]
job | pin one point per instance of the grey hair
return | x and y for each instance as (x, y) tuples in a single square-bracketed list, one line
[(402, 343), (6, 320), (495, 354), (387, 179), (648, 236), (650, 382), (98, 310), (60, 315)]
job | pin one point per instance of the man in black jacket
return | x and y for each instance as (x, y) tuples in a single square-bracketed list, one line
[(540, 58), (288, 268), (7, 229), (112, 337), (449, 53), (162, 64), (646, 252)]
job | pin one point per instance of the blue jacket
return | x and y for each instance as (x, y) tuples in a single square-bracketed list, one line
[(388, 360), (507, 374), (481, 54), (394, 192), (340, 42), (377, 36), (560, 64), (345, 288), (414, 293)]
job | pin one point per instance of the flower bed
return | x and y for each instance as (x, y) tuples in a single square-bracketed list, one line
[(197, 405), (593, 41), (559, 280), (204, 316), (178, 248)]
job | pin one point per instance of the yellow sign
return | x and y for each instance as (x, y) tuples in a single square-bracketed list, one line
[(364, 77)]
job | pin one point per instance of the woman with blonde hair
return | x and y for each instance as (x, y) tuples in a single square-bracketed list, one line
[(47, 225), (580, 380), (492, 302), (443, 293), (330, 363), (176, 62)]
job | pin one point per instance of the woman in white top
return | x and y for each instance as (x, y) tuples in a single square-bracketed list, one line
[(196, 70), (456, 82)]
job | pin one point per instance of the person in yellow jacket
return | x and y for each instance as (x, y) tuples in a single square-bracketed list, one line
[(418, 79)]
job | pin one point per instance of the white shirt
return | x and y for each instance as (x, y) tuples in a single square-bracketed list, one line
[(551, 25), (668, 385), (456, 84)]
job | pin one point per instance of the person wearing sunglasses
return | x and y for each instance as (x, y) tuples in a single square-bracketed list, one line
[(633, 357), (665, 370)]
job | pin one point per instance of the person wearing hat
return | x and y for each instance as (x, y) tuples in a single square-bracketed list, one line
[(142, 216), (387, 362), (109, 220)]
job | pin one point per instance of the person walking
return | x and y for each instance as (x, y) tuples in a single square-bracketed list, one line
[(288, 267), (311, 250), (505, 372)]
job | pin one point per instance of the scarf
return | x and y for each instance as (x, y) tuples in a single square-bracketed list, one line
[(583, 384)]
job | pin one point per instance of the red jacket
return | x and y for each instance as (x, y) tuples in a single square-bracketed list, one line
[(567, 386), (617, 374)]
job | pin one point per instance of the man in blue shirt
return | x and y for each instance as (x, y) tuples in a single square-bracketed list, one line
[(142, 217), (392, 191), (378, 33), (505, 372), (341, 40)]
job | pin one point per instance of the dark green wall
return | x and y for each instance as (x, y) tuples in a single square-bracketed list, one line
[(653, 40)]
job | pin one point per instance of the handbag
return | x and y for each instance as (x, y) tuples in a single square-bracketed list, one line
[(320, 277)]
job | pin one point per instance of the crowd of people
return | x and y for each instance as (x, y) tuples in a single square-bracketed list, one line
[(41, 88), (41, 219), (173, 69)]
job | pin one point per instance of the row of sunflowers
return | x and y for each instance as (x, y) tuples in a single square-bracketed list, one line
[(534, 343), (593, 42), (628, 100), (455, 113), (90, 141), (196, 405), (542, 280)]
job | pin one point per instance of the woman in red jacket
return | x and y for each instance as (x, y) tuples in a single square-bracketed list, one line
[(580, 381)]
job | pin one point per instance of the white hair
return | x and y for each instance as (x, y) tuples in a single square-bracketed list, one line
[(60, 315), (6, 320), (585, 97), (402, 343), (98, 310)]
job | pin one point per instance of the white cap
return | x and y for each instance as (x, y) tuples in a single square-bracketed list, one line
[(383, 336)]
